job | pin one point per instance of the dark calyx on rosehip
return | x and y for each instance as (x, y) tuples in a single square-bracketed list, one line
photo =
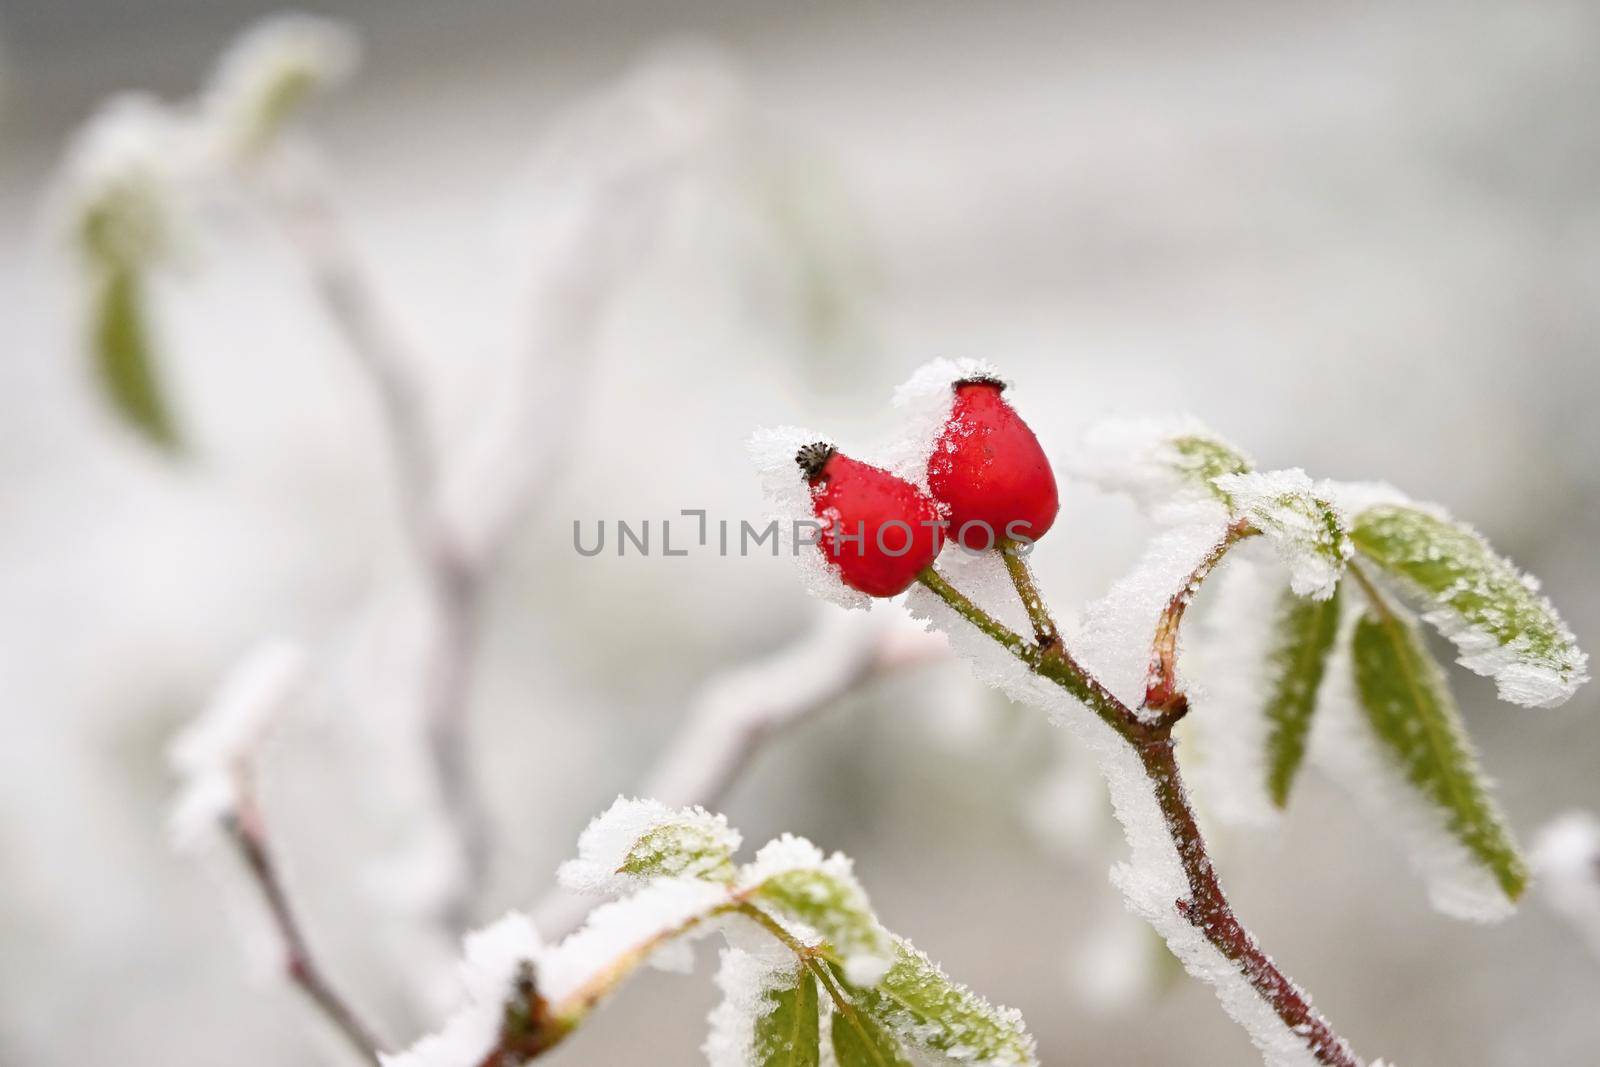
[(989, 472), (879, 530)]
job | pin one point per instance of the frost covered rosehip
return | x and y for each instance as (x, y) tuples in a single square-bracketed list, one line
[(989, 472), (879, 530)]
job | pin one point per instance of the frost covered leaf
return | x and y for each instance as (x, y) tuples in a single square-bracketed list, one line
[(690, 849), (1500, 624), (822, 901), (116, 193), (1305, 630), (267, 76), (769, 1013), (1161, 463), (1203, 459), (123, 360), (1307, 532), (859, 1041), (1410, 709), (927, 1010), (789, 1034), (636, 840)]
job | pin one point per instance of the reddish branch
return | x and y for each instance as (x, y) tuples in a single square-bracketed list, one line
[(1162, 694), (249, 834), (1206, 907), (1208, 911)]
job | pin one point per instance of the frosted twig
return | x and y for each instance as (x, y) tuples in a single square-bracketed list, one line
[(1044, 627), (740, 712), (1206, 908), (247, 829), (1162, 694), (453, 579), (737, 714)]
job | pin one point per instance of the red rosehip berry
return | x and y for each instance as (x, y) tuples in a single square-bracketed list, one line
[(879, 530), (989, 472)]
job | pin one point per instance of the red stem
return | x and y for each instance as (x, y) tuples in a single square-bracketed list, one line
[(1207, 910)]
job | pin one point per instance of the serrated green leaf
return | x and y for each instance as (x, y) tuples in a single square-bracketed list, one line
[(1412, 712), (1496, 617), (1203, 459), (789, 1034), (1304, 633), (835, 907), (123, 359), (680, 849), (926, 1009), (859, 1041)]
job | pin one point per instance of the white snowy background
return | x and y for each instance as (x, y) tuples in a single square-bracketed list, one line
[(1363, 239)]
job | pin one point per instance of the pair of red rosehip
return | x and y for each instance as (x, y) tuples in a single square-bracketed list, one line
[(988, 478)]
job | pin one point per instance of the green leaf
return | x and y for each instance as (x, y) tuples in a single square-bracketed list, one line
[(1307, 533), (789, 1033), (1203, 459), (681, 849), (123, 359), (832, 904), (921, 1004), (858, 1041), (1410, 708), (1500, 624), (1304, 636)]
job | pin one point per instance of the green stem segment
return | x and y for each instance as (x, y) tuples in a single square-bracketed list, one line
[(1044, 627), (1206, 907)]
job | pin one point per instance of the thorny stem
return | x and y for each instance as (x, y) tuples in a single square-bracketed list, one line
[(248, 831), (1206, 908), (1163, 694)]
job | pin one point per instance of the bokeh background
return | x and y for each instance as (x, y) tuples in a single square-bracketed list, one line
[(1363, 238)]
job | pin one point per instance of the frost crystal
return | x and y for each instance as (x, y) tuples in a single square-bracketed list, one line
[(820, 900), (1566, 857), (636, 840), (1152, 877), (640, 923), (493, 956), (1345, 746), (789, 498), (1166, 465), (1500, 624), (923, 402), (1114, 639), (1231, 667), (748, 980), (1295, 516), (266, 76), (208, 754), (918, 1002), (116, 186)]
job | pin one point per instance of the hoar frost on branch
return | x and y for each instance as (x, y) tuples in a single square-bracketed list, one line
[(807, 965), (1116, 679)]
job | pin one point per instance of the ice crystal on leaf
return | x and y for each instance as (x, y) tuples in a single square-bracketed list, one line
[(1165, 465), (769, 1014), (1395, 743), (1500, 624), (1307, 531), (795, 920), (636, 840), (268, 75)]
